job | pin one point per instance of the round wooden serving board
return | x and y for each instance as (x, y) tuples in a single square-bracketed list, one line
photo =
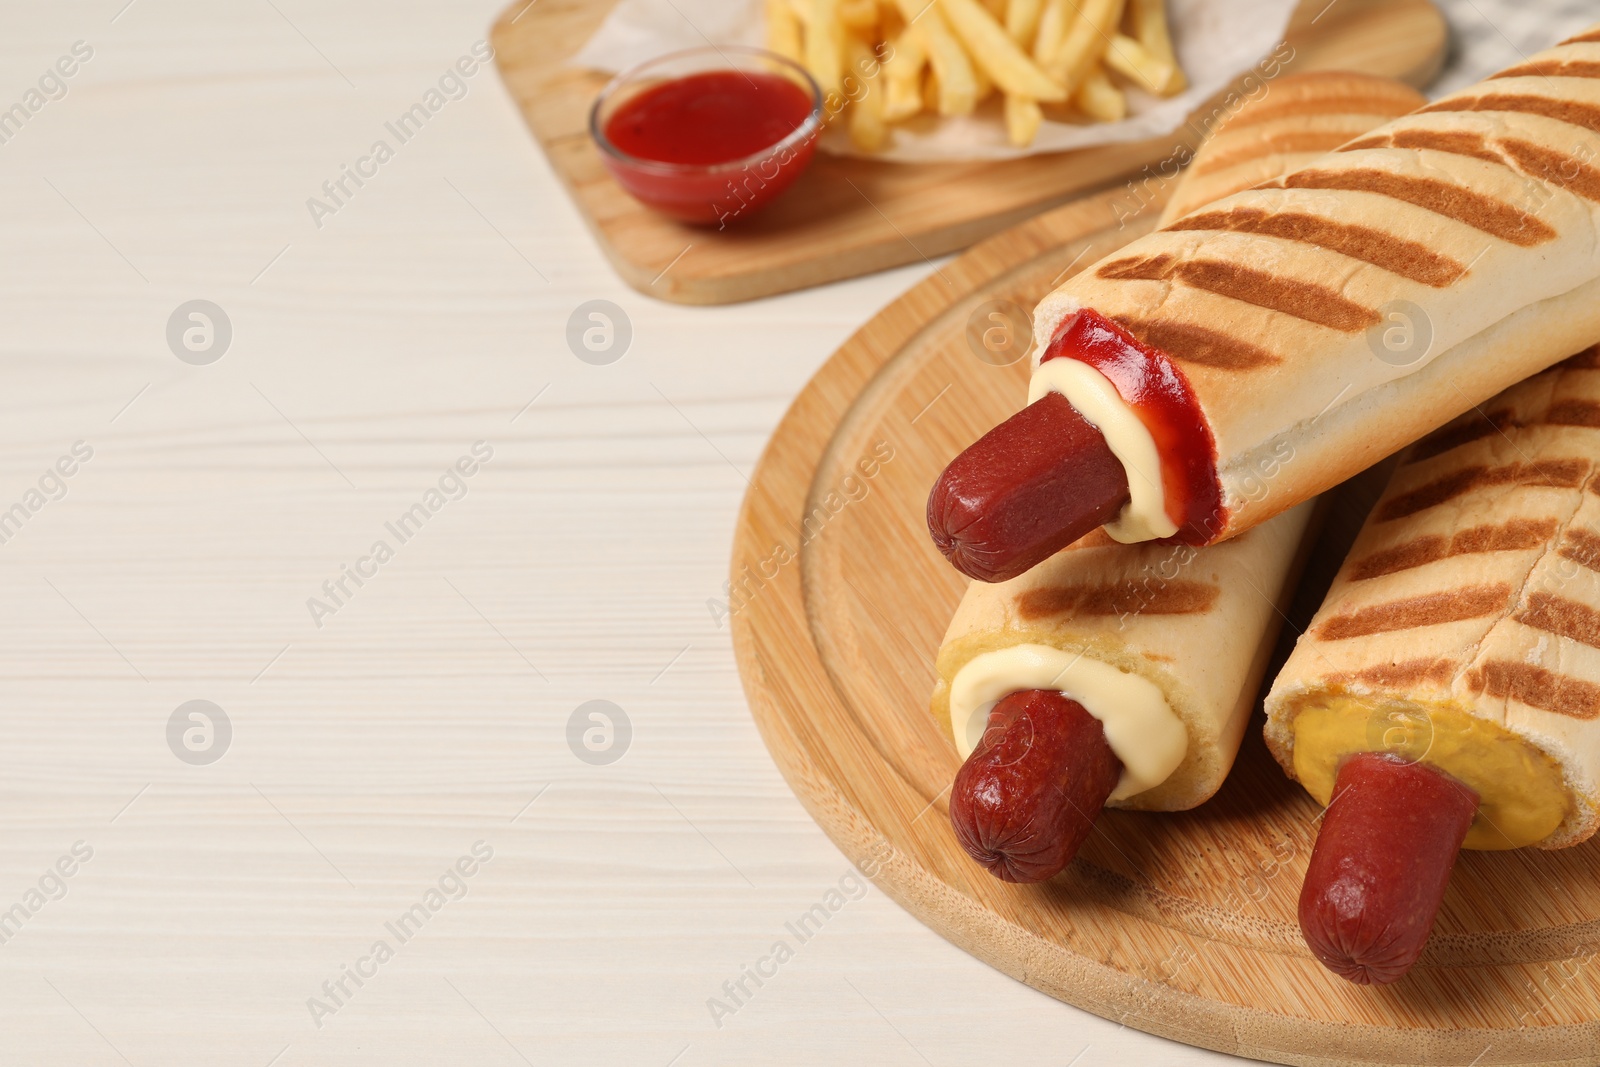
[(1180, 924)]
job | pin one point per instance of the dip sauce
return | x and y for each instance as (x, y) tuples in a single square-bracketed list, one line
[(710, 147), (717, 116)]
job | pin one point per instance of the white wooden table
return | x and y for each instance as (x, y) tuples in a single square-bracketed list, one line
[(221, 902)]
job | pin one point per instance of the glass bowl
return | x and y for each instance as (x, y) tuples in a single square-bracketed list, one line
[(708, 193)]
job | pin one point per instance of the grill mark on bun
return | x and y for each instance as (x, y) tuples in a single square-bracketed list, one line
[(1537, 688), (1400, 675), (1156, 268), (1285, 143), (1178, 597), (1414, 553), (1477, 425), (1311, 303), (1434, 493), (1482, 213), (1581, 547), (1555, 473), (1197, 344), (1259, 113), (1572, 112), (1455, 142), (1573, 413), (1515, 535), (1454, 435), (1385, 107), (1303, 300), (1532, 159), (1588, 359), (1408, 259), (1377, 141), (1565, 618), (1552, 68), (1548, 165), (1584, 37), (1429, 609)]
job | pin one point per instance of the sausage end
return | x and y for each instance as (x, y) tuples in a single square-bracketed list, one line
[(1383, 857), (1025, 490), (1028, 796)]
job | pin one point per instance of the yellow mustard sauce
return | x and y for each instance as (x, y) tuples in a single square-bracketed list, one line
[(1522, 798)]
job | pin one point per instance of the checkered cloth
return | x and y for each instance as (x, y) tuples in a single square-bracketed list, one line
[(1487, 35)]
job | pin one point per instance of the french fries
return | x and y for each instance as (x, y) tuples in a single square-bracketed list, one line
[(1099, 99), (1084, 43), (824, 36), (994, 51), (958, 86), (903, 73), (783, 30), (1147, 20), (867, 131), (1053, 20), (930, 91), (859, 15), (883, 62), (1023, 117), (984, 83), (1022, 19), (1134, 61)]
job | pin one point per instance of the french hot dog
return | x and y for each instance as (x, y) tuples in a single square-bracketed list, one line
[(1163, 646), (1108, 673), (1338, 312), (993, 523), (1461, 642)]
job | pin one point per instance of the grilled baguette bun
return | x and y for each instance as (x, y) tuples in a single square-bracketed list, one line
[(1196, 623), (1298, 118), (1457, 243), (1464, 627)]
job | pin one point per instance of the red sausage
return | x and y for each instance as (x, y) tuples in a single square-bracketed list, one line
[(1383, 857), (1025, 490), (1027, 797)]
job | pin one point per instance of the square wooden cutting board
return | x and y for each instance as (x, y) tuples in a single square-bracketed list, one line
[(846, 217)]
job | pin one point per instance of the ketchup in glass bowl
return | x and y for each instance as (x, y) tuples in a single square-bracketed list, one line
[(708, 135)]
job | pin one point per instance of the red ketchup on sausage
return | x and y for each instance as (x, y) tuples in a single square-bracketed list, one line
[(1159, 394), (711, 146)]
